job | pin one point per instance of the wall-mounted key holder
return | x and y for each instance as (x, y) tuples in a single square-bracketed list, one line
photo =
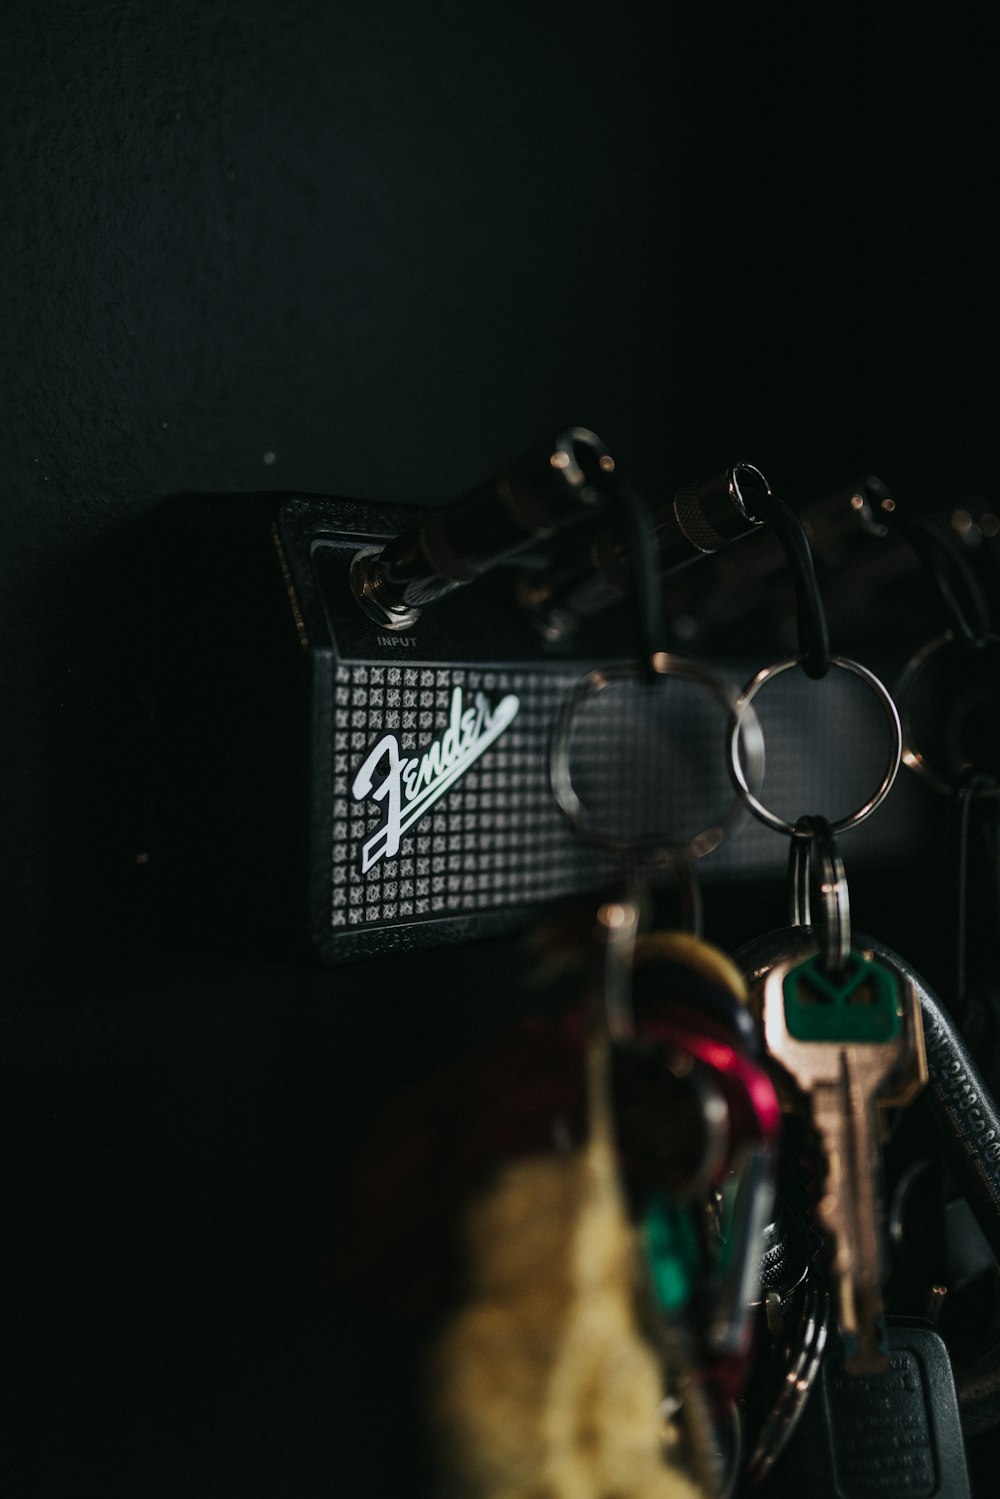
[(352, 704)]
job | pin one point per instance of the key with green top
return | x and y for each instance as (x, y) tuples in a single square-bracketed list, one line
[(848, 1040)]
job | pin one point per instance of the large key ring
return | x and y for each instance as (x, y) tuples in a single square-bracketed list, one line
[(741, 780), (814, 840), (654, 851), (914, 668)]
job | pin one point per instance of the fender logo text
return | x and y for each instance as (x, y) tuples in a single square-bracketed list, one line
[(408, 786)]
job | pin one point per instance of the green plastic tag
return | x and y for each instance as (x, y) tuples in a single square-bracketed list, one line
[(862, 1003), (671, 1246)]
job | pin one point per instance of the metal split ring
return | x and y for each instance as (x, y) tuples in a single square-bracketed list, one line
[(912, 756), (814, 839), (654, 851), (804, 1357), (741, 781)]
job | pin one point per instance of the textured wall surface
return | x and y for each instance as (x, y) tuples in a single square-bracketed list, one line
[(374, 251)]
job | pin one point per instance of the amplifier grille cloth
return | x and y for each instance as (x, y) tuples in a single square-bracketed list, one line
[(496, 839)]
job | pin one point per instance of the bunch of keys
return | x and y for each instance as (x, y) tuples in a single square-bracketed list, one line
[(690, 998), (879, 1409), (846, 1031), (543, 1378), (843, 1025), (854, 1034), (686, 1001)]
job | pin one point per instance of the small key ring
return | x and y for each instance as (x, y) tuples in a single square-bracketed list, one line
[(912, 756), (814, 837), (653, 851), (741, 781)]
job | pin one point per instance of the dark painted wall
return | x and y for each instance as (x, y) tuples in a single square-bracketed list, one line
[(375, 251)]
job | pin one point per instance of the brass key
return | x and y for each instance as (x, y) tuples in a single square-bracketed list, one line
[(848, 1041)]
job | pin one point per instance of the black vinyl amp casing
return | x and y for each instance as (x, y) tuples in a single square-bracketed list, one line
[(326, 789)]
